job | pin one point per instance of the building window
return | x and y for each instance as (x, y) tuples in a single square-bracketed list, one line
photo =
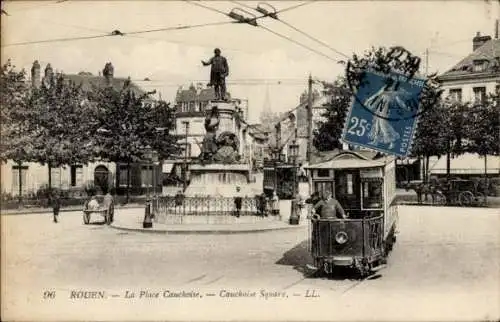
[(192, 107), (479, 94), (456, 94), (147, 176), (122, 179), (76, 175), (15, 178), (55, 174), (480, 65), (185, 128)]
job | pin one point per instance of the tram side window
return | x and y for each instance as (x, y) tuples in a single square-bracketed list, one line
[(372, 194)]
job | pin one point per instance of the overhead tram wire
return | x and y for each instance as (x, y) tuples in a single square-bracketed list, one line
[(298, 43), (278, 11), (119, 33), (314, 39), (195, 3), (295, 28), (56, 40), (274, 32)]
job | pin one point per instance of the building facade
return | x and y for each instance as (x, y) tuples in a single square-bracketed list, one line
[(471, 80), (30, 177)]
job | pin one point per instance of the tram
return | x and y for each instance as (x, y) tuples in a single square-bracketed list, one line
[(364, 183)]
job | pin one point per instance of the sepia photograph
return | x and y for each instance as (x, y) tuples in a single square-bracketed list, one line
[(300, 160)]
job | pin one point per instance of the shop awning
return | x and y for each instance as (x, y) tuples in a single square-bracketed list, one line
[(468, 163)]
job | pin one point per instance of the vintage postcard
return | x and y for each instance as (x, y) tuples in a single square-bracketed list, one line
[(250, 160)]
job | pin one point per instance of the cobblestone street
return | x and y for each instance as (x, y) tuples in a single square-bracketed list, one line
[(437, 270)]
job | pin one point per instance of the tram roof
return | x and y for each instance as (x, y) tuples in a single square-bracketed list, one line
[(351, 160)]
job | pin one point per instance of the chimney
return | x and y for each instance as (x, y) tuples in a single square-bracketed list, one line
[(479, 40), (35, 75), (108, 72), (496, 28)]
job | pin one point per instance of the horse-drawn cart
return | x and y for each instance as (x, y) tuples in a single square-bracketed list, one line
[(108, 219), (106, 211)]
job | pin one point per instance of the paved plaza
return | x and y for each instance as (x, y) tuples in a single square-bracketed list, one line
[(445, 266)]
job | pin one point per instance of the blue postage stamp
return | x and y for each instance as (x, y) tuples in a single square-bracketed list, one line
[(384, 112)]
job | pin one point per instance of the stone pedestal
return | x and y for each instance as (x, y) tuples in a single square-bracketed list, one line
[(227, 118), (219, 180)]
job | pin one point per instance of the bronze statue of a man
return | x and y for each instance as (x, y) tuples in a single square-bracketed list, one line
[(218, 74)]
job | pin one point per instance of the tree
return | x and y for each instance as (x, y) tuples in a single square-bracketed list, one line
[(124, 124), (164, 122), (432, 135), (57, 118), (484, 130), (328, 135), (15, 140)]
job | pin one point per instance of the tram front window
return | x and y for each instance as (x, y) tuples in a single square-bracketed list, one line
[(347, 189)]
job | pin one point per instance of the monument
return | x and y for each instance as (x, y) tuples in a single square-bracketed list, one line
[(220, 167)]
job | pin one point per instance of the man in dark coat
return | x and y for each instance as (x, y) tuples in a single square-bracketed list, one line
[(218, 74), (261, 201), (56, 205), (238, 201)]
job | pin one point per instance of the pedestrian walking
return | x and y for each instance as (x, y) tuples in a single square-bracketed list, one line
[(262, 201), (275, 204), (179, 201), (109, 205), (238, 200), (56, 205)]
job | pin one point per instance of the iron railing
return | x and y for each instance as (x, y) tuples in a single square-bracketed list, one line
[(205, 206)]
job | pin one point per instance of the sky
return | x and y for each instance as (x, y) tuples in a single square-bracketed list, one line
[(269, 71)]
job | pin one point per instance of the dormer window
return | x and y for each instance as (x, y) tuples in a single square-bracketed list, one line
[(480, 65)]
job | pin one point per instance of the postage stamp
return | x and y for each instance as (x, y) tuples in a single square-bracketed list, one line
[(384, 112)]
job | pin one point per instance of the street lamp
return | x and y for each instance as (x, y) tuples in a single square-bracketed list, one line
[(149, 154), (160, 157), (294, 214), (154, 159), (184, 174), (148, 223)]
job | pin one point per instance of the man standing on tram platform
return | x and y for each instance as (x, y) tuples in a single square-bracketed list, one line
[(328, 207)]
